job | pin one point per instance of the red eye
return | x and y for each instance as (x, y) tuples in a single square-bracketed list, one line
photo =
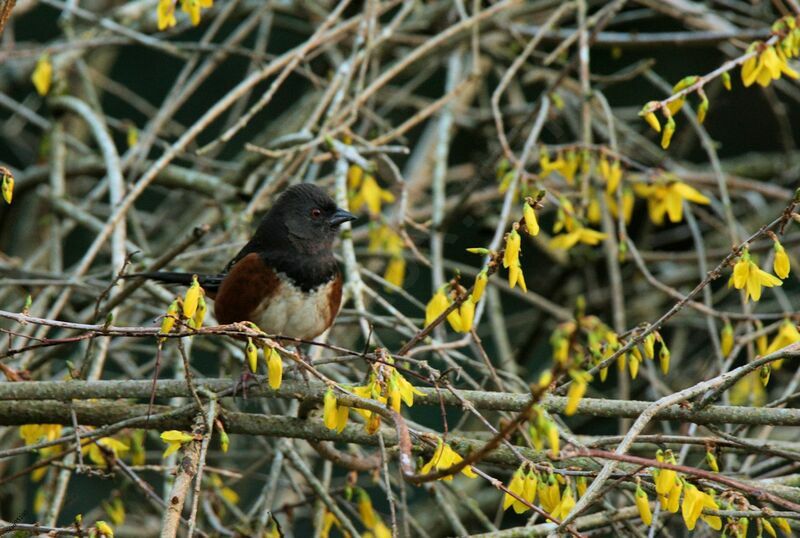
[(315, 213)]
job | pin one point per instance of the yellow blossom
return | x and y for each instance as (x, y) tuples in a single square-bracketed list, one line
[(566, 505), (768, 65), (511, 254), (516, 276), (251, 353), (371, 195), (42, 76), (517, 487), (174, 440), (395, 272), (726, 339), (466, 314), (580, 235), (35, 433), (445, 457), (673, 500), (663, 358), (354, 176), (274, 367), (749, 390), (405, 389), (748, 276), (711, 459), (580, 382), (787, 335), (200, 313), (666, 134), (166, 14), (781, 263), (666, 198), (7, 185), (694, 502), (643, 505), (329, 409), (531, 224), (365, 510), (168, 321), (104, 529), (110, 444), (227, 493), (192, 8), (115, 510), (192, 298), (549, 493), (436, 306), (553, 439), (480, 285)]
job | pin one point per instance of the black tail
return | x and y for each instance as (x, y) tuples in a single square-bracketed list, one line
[(208, 282)]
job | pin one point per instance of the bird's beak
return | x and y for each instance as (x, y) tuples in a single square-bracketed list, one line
[(341, 216)]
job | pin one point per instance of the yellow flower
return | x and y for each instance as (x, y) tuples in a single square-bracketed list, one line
[(274, 367), (7, 185), (174, 440), (436, 306), (200, 313), (42, 76), (673, 500), (726, 339), (781, 263), (34, 433), (192, 8), (648, 113), (192, 298), (227, 493), (669, 130), (552, 438), (516, 276), (405, 390), (748, 276), (643, 505), (354, 176), (370, 195), (517, 487), (580, 235), (566, 505), (580, 381), (665, 481), (166, 14), (787, 334), (694, 501), (549, 493), (663, 358), (667, 199), (329, 409), (711, 459), (104, 529), (511, 255), (396, 271), (132, 135), (168, 321), (454, 319), (95, 451), (365, 510), (766, 66), (480, 285), (115, 511), (445, 457), (251, 353), (749, 391), (327, 522), (467, 313), (531, 224)]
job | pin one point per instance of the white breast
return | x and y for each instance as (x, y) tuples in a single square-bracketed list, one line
[(294, 313)]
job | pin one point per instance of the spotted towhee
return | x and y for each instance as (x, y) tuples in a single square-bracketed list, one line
[(285, 279)]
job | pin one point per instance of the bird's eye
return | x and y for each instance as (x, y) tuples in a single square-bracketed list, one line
[(315, 213)]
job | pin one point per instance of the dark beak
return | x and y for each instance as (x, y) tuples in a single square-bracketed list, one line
[(341, 216)]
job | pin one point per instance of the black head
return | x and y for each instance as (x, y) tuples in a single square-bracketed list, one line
[(308, 216)]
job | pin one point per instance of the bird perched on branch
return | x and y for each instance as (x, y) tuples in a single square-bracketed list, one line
[(285, 279)]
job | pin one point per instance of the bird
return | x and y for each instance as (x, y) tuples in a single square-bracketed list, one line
[(285, 279)]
